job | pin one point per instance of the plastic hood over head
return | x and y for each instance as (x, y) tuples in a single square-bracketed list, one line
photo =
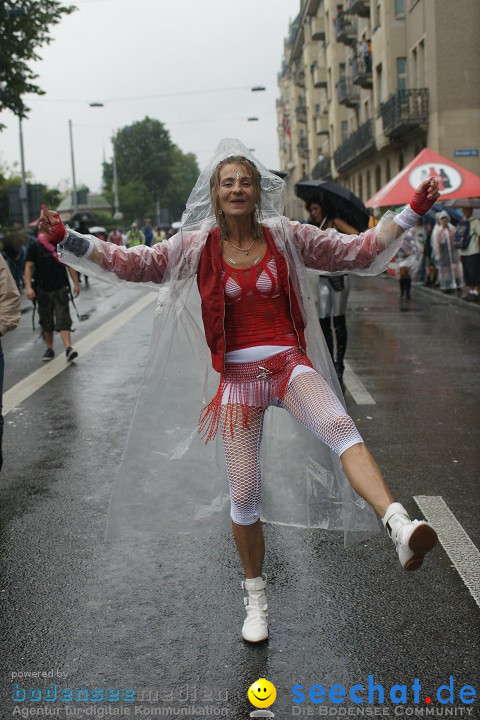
[(199, 212)]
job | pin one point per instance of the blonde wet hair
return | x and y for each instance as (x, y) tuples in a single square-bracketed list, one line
[(252, 170)]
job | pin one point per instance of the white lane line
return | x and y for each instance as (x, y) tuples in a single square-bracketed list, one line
[(26, 387), (460, 549), (356, 388)]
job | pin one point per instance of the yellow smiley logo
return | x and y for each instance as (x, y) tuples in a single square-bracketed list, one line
[(262, 693)]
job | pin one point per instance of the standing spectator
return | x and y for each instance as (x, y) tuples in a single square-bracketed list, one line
[(82, 227), (9, 319), (443, 238), (158, 235), (428, 259), (46, 282), (366, 54), (409, 259), (135, 236), (332, 291), (14, 244), (148, 234), (470, 257), (115, 236)]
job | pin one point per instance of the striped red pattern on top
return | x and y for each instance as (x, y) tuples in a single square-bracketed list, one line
[(256, 307)]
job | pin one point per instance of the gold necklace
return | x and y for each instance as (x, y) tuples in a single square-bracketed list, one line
[(246, 251)]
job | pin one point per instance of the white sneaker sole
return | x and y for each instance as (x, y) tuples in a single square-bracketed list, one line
[(422, 540), (255, 642)]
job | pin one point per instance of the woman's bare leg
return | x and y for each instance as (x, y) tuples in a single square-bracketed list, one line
[(365, 477), (251, 547)]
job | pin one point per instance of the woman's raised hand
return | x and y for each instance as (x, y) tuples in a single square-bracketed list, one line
[(52, 225), (425, 196)]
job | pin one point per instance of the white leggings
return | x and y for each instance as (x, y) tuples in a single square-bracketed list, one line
[(310, 400)]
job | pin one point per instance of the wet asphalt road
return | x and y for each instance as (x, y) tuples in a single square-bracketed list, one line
[(165, 618)]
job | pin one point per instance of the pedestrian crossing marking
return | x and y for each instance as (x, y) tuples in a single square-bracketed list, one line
[(464, 555), (26, 387)]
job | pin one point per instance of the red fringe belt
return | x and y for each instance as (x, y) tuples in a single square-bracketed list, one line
[(250, 385)]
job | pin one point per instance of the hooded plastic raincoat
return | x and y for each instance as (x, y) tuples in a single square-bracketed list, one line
[(169, 480)]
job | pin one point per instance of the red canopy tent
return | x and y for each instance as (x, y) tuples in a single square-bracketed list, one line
[(454, 181)]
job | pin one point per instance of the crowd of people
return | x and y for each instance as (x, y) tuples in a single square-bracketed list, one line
[(442, 251)]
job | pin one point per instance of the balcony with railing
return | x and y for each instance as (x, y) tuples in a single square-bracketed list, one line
[(322, 169), (346, 28), (301, 113), (361, 71), (361, 142), (319, 76), (404, 111), (347, 93), (359, 7), (302, 147), (317, 28), (321, 124), (299, 77)]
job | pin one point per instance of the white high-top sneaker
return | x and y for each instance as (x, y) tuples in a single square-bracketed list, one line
[(412, 538), (255, 627)]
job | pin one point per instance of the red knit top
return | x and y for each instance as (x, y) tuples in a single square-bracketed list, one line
[(257, 309)]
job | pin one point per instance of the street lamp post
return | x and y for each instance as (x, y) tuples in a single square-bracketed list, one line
[(23, 186), (117, 215), (74, 182)]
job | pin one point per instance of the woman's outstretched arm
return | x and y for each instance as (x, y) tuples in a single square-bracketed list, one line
[(367, 253), (89, 254)]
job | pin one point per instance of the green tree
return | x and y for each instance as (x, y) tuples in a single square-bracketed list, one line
[(136, 201), (143, 152), (184, 174), (24, 27), (149, 168)]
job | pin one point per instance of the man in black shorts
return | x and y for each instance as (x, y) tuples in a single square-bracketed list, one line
[(46, 281)]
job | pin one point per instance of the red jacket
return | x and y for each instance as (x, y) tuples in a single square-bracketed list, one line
[(209, 280)]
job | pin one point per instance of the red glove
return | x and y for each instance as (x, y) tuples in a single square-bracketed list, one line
[(423, 201), (56, 231)]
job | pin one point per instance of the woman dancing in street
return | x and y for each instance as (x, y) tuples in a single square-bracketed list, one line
[(250, 267)]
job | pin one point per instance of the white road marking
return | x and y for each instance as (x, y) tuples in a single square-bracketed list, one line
[(460, 549), (26, 387), (356, 388)]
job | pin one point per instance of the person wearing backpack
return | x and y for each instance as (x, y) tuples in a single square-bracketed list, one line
[(470, 254), (47, 284)]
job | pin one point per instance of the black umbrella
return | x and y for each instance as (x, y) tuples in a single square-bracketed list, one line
[(345, 204)]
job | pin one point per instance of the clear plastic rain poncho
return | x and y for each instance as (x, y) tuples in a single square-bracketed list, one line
[(410, 253), (169, 481), (445, 256)]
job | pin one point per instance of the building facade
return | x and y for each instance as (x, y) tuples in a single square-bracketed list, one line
[(366, 84)]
